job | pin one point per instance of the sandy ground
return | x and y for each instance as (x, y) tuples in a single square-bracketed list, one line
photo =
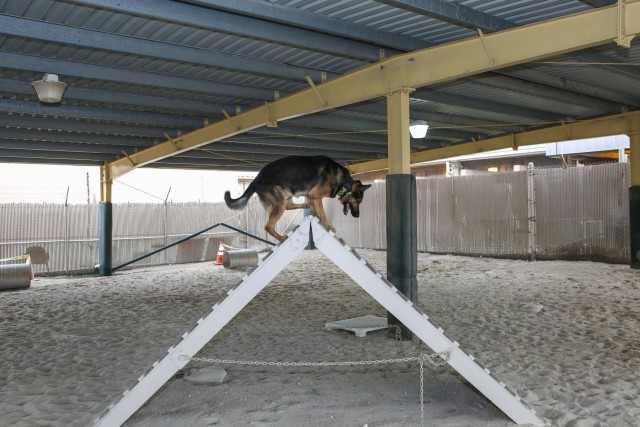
[(564, 335)]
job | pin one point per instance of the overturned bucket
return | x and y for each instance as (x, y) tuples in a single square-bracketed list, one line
[(234, 258), (15, 276)]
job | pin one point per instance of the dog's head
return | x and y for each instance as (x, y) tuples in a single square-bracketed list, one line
[(352, 199)]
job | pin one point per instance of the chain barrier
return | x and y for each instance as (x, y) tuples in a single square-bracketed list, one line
[(435, 359), (301, 364)]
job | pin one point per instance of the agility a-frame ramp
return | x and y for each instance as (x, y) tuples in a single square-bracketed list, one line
[(364, 275)]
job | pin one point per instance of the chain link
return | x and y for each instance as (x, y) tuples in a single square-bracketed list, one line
[(422, 358), (432, 359), (301, 364), (422, 391)]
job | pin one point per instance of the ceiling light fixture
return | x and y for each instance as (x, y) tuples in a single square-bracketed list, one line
[(418, 129), (49, 89)]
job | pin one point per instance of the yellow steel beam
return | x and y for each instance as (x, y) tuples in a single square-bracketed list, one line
[(416, 69), (619, 124)]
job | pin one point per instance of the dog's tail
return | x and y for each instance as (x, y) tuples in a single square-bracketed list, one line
[(241, 201)]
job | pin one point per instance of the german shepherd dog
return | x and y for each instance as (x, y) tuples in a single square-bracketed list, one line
[(315, 177)]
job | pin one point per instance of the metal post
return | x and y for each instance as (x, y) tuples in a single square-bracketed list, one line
[(402, 241), (531, 197), (402, 226), (306, 212), (634, 202), (105, 221)]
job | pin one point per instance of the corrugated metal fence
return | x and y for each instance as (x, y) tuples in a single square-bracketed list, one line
[(69, 234), (580, 214)]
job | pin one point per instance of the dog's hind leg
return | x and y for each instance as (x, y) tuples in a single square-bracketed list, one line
[(277, 205), (270, 227)]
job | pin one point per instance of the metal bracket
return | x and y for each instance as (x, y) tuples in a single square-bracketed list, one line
[(623, 39), (484, 46), (129, 158), (315, 90), (173, 141), (271, 122), (566, 129)]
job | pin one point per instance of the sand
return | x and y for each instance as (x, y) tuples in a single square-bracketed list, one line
[(564, 335)]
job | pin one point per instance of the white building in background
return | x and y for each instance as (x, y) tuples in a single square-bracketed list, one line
[(565, 153)]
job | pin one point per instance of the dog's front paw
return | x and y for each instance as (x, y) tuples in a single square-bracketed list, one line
[(330, 227)]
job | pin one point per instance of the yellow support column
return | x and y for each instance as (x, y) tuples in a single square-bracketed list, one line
[(398, 131), (106, 183), (402, 226)]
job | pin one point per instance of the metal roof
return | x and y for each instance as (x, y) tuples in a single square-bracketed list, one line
[(139, 72)]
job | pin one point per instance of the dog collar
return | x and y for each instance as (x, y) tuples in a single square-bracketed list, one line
[(344, 189)]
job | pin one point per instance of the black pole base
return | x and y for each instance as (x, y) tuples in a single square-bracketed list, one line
[(634, 226), (105, 225), (402, 242)]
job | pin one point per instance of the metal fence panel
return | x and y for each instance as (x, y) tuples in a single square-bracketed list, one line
[(367, 231), (583, 213), (474, 215)]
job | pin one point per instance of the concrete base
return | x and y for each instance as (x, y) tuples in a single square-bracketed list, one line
[(359, 325)]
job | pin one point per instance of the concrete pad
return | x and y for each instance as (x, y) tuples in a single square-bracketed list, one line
[(359, 325)]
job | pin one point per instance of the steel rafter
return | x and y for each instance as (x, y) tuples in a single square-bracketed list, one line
[(417, 69), (63, 34), (229, 23)]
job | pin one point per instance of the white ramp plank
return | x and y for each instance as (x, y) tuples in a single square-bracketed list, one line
[(221, 314), (413, 318), (365, 276)]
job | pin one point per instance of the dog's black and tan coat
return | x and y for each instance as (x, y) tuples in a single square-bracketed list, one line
[(315, 177)]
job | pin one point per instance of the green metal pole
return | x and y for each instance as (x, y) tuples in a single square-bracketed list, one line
[(105, 224), (634, 202), (402, 232)]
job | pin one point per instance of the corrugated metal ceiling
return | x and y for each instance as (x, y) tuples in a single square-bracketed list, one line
[(138, 71)]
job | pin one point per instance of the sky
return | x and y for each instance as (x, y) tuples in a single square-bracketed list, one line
[(29, 183)]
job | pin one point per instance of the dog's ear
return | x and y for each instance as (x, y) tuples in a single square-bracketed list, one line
[(364, 187)]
